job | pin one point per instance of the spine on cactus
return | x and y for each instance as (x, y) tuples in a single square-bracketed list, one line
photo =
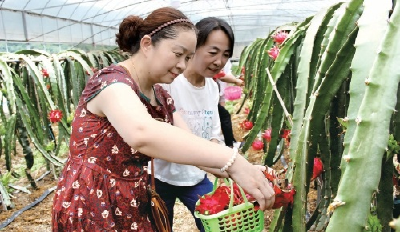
[(371, 134)]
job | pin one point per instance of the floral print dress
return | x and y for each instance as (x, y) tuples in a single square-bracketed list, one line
[(103, 186)]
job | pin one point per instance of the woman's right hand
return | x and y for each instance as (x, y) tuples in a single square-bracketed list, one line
[(252, 180)]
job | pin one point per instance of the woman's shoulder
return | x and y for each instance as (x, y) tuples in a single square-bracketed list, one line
[(106, 77), (112, 71), (111, 74)]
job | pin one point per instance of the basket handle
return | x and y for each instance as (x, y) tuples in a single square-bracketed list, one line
[(229, 181)]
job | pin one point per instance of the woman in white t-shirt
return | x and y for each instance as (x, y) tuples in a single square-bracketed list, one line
[(196, 98)]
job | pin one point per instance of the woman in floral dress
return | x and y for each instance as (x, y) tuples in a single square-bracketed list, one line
[(124, 118)]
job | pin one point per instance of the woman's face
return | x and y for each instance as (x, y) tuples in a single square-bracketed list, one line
[(169, 57), (210, 58)]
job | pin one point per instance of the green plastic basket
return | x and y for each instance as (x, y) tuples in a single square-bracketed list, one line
[(241, 217)]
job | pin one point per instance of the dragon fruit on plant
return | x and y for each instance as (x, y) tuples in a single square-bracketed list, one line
[(280, 37)]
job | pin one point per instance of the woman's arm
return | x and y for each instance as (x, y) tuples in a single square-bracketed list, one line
[(180, 122), (122, 107), (230, 78)]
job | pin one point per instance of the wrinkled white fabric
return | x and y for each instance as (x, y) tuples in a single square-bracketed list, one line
[(198, 106)]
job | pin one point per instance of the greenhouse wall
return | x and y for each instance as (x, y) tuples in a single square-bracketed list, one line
[(30, 27)]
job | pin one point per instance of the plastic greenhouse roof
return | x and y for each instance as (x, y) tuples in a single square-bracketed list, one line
[(96, 21)]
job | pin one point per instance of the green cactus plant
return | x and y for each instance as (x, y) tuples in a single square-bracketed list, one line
[(350, 210)]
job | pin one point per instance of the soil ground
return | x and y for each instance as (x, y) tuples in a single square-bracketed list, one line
[(38, 218)]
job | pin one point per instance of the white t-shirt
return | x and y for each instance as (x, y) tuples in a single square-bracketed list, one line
[(198, 106)]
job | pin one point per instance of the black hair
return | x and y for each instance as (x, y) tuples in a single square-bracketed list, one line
[(209, 24), (133, 28)]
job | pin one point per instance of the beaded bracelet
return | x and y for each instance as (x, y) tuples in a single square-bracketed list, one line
[(231, 160)]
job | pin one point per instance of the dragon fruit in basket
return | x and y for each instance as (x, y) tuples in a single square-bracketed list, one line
[(233, 92)]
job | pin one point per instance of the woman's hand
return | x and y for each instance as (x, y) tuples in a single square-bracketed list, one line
[(260, 167), (252, 180), (239, 82)]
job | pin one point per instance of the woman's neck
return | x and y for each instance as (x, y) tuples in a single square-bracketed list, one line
[(139, 75), (194, 78)]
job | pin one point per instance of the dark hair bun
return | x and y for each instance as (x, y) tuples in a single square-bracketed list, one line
[(129, 31)]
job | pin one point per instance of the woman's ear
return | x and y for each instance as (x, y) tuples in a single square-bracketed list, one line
[(146, 44)]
